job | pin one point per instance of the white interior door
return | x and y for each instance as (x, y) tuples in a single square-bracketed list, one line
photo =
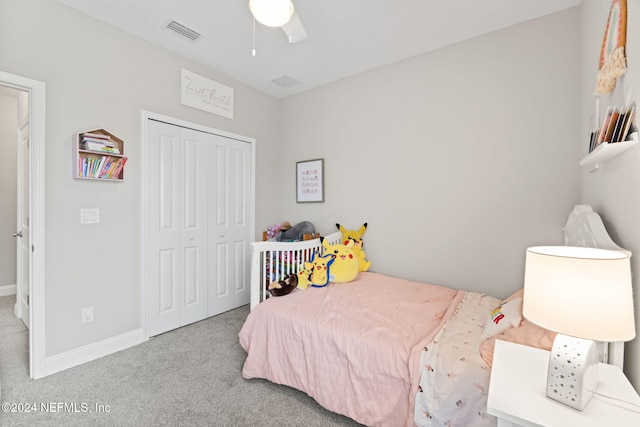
[(229, 231), (22, 234), (177, 227)]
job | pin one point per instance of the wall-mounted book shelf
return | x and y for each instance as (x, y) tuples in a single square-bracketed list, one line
[(99, 155), (608, 150)]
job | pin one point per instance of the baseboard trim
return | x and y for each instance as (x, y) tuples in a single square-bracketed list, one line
[(6, 290), (94, 351)]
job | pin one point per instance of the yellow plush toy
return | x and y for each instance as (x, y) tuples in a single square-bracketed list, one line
[(355, 236), (345, 264), (320, 273), (304, 275)]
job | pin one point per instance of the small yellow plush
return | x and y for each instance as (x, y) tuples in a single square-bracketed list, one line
[(345, 264), (320, 273), (355, 236), (304, 275)]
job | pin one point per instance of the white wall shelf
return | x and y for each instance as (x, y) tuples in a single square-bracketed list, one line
[(607, 151)]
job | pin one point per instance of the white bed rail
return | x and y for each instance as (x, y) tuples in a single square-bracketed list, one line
[(273, 260)]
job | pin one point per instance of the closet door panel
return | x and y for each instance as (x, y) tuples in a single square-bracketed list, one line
[(231, 198), (194, 147), (164, 229)]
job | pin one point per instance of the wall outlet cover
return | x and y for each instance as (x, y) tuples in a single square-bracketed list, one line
[(89, 216)]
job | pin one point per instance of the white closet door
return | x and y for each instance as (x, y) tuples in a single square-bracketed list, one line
[(229, 227), (198, 225), (177, 226)]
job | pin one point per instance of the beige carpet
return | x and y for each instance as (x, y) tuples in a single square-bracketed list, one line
[(187, 377)]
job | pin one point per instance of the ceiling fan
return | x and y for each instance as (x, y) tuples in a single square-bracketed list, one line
[(279, 13)]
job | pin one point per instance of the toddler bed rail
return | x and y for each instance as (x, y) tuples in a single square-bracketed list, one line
[(274, 260)]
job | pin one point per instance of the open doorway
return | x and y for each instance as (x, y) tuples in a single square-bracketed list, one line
[(14, 175), (8, 179), (29, 172)]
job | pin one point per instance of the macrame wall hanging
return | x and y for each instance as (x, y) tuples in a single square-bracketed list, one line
[(613, 62)]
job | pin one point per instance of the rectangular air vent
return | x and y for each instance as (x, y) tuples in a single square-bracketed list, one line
[(285, 80), (183, 30)]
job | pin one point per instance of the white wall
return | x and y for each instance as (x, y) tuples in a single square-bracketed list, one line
[(614, 190), (8, 182), (99, 77), (458, 159)]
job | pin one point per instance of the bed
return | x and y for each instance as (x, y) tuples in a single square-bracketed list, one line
[(386, 351)]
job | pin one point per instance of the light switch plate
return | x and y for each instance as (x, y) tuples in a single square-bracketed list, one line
[(89, 216)]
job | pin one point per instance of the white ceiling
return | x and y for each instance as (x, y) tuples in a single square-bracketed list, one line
[(345, 37)]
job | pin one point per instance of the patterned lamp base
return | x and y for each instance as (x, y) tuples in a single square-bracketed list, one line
[(573, 371)]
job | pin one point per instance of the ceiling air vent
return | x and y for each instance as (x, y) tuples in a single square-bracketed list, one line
[(184, 31), (285, 80)]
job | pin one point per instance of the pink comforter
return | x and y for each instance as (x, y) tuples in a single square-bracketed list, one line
[(354, 347)]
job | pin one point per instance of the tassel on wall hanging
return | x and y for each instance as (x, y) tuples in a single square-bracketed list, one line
[(613, 62)]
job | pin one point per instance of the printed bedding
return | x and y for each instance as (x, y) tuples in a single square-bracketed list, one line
[(380, 350)]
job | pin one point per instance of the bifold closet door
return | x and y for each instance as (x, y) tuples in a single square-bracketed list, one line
[(198, 225), (177, 216)]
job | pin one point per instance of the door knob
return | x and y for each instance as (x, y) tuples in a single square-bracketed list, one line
[(221, 234), (17, 234)]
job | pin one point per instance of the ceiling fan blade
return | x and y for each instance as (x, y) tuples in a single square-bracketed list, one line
[(294, 29)]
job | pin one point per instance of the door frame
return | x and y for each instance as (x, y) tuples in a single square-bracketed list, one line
[(144, 185), (37, 340)]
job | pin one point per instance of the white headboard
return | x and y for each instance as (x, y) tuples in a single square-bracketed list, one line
[(585, 228)]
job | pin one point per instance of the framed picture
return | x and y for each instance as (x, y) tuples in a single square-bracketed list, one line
[(310, 181)]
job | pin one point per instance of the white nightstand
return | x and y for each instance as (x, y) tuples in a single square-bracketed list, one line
[(518, 393)]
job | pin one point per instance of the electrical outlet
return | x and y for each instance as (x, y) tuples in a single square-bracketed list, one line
[(87, 314)]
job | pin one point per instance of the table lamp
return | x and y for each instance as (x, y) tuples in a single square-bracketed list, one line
[(584, 294)]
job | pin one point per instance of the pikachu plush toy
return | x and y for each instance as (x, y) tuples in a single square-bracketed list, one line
[(358, 245), (320, 270), (345, 264)]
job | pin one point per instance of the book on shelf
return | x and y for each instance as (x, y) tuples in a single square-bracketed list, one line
[(121, 162), (104, 167), (616, 126), (97, 171), (95, 135), (105, 142), (112, 169), (611, 125), (95, 146), (593, 140), (627, 123), (109, 168), (605, 126)]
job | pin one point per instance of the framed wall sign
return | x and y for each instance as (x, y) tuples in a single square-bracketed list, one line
[(205, 94), (310, 181)]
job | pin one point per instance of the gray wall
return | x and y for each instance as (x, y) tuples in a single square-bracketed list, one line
[(458, 159), (8, 182), (614, 190), (99, 77)]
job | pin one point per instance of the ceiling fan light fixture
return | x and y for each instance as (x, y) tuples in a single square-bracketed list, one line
[(272, 13)]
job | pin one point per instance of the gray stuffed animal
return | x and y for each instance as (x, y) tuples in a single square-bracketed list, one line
[(294, 233)]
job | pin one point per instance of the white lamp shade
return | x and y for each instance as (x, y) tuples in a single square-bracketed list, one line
[(581, 292), (272, 13)]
